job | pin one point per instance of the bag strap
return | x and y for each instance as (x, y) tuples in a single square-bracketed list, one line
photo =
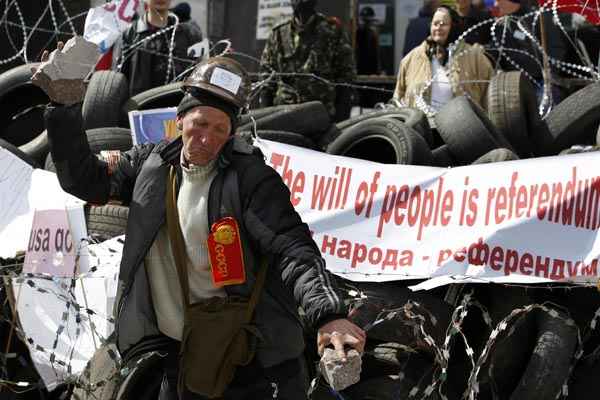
[(178, 250), (176, 237), (258, 285)]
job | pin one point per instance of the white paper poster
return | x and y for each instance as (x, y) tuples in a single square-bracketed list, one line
[(271, 13), (409, 8), (24, 190)]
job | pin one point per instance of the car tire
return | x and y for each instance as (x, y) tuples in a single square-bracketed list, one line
[(512, 108), (575, 119), (549, 363), (383, 140), (496, 155), (110, 138), (106, 222), (290, 138), (38, 148), (467, 130), (22, 106), (411, 117), (21, 155), (309, 119), (442, 157), (105, 95), (161, 97)]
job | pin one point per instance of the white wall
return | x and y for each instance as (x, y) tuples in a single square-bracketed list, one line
[(403, 7), (199, 12)]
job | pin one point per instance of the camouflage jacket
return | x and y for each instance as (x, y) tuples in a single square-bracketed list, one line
[(319, 47)]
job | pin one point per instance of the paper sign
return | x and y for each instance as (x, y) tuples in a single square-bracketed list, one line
[(200, 50), (152, 126), (104, 24), (52, 248), (226, 80), (271, 13), (24, 190)]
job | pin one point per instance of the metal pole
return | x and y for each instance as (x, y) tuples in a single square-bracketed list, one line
[(353, 15), (546, 73)]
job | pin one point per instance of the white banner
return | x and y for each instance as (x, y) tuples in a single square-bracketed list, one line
[(524, 221), (24, 190), (104, 24), (271, 13), (56, 243)]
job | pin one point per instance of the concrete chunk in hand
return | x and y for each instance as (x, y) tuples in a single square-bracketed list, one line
[(340, 374), (75, 61), (62, 75)]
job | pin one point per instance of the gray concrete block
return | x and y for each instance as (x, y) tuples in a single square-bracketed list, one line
[(75, 61), (62, 76), (340, 374)]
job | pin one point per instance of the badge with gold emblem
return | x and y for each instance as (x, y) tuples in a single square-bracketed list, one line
[(225, 253)]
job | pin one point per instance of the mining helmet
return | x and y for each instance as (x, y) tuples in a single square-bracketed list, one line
[(222, 77)]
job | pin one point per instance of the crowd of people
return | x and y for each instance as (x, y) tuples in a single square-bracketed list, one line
[(311, 56)]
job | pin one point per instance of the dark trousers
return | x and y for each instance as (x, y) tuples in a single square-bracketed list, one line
[(287, 381)]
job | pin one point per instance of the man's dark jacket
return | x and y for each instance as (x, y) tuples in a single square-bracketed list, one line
[(270, 228), (418, 29), (519, 49), (479, 35), (145, 61)]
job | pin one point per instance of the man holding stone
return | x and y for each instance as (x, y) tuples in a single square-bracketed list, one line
[(219, 199)]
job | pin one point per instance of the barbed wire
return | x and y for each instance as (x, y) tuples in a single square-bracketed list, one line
[(412, 313), (275, 78)]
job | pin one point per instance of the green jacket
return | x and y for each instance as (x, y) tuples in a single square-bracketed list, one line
[(319, 47)]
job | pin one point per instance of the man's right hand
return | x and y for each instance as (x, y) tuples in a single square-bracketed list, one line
[(61, 91)]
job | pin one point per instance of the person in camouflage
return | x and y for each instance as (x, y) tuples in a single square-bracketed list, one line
[(309, 43)]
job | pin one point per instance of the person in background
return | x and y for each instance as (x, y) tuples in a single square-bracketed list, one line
[(144, 54), (309, 44), (418, 28), (439, 73), (518, 51), (184, 12), (367, 44), (480, 6), (469, 16)]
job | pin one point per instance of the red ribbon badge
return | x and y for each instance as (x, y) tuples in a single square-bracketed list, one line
[(225, 253)]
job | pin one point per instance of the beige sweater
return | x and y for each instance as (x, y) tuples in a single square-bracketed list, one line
[(160, 264), (469, 72)]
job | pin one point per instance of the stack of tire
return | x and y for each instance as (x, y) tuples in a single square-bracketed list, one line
[(22, 131), (21, 111), (304, 125), (466, 134)]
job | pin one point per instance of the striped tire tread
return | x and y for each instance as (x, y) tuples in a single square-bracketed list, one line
[(105, 94), (106, 221)]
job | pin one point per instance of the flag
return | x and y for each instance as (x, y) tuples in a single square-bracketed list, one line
[(590, 9)]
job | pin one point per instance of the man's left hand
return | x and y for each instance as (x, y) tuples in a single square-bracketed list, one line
[(341, 333)]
